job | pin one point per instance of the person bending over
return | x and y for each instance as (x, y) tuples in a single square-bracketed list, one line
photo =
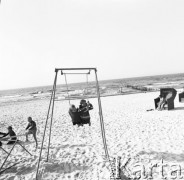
[(31, 129), (12, 135)]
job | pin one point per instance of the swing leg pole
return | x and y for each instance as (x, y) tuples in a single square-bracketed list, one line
[(87, 86), (101, 116), (38, 166), (102, 122), (53, 100), (67, 89)]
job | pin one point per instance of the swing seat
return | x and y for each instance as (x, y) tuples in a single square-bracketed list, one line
[(76, 123), (82, 122), (85, 120), (75, 116)]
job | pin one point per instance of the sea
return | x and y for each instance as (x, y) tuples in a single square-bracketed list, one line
[(107, 88)]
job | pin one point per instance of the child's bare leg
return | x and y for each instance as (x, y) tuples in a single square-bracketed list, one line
[(34, 136), (27, 136)]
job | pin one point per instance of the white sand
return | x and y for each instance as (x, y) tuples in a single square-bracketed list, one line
[(77, 153)]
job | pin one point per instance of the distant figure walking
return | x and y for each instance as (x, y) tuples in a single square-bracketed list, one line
[(31, 129), (12, 135), (84, 108)]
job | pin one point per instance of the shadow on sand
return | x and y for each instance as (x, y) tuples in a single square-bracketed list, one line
[(164, 155), (177, 108)]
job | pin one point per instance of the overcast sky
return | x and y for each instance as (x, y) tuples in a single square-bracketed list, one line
[(121, 38)]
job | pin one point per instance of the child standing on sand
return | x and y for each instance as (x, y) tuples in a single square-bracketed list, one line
[(31, 129)]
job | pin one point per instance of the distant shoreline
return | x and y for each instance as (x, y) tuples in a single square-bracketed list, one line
[(108, 95), (107, 88), (158, 77)]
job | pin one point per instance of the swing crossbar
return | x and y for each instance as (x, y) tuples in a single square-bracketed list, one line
[(74, 73), (65, 69)]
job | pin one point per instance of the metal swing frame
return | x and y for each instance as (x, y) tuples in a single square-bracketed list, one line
[(9, 153), (51, 108)]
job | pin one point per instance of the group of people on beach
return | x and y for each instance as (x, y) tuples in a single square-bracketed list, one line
[(30, 129), (80, 115)]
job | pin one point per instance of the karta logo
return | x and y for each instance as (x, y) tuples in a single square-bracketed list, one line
[(160, 170), (139, 170)]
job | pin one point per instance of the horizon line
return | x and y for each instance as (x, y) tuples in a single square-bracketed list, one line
[(144, 76)]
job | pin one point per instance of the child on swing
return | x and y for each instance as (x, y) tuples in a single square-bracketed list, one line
[(75, 115), (84, 108)]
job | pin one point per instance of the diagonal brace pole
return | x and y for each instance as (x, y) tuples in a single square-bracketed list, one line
[(4, 150), (24, 148), (7, 156)]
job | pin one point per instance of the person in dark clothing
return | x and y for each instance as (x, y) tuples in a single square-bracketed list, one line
[(84, 111), (12, 135), (1, 134), (75, 115), (31, 129)]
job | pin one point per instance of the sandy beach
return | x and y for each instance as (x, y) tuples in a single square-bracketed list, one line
[(77, 153)]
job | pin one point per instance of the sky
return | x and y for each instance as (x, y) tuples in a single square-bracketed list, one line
[(121, 38)]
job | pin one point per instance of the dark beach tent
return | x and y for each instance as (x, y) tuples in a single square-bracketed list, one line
[(169, 94), (181, 97)]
